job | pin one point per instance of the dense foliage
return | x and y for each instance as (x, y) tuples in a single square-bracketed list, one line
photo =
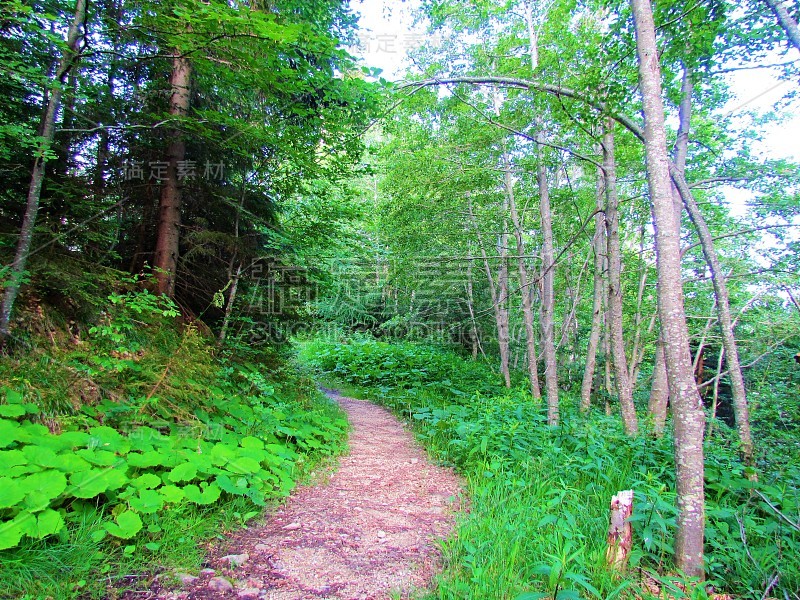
[(110, 443), (538, 514)]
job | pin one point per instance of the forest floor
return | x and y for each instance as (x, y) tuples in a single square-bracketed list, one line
[(369, 532)]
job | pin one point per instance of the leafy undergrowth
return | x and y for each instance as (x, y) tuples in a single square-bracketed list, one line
[(127, 451), (539, 496)]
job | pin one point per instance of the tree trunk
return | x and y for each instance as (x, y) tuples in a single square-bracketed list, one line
[(496, 303), (659, 391), (229, 306), (739, 393), (47, 132), (165, 260), (615, 285), (527, 308), (787, 23), (548, 297), (599, 289), (503, 334), (688, 411)]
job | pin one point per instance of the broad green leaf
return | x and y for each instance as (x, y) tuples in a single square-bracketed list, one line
[(172, 494), (88, 484), (37, 455), (146, 481), (48, 523), (48, 484), (239, 487), (252, 442), (11, 410), (10, 534), (102, 458), (127, 525), (11, 492), (208, 496), (9, 432), (108, 438), (147, 502), (70, 463), (11, 458), (243, 465), (185, 472)]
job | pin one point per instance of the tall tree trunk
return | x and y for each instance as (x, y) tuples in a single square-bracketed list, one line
[(234, 279), (739, 393), (503, 333), (471, 306), (785, 20), (599, 289), (165, 260), (527, 308), (621, 376), (688, 411), (548, 297), (47, 132), (497, 299)]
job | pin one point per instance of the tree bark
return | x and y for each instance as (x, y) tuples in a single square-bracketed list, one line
[(497, 299), (688, 411), (621, 376), (548, 297), (527, 307), (503, 334), (165, 260), (785, 20), (599, 289), (223, 332), (47, 132), (659, 391)]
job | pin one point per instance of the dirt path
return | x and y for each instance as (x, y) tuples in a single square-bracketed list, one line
[(368, 533)]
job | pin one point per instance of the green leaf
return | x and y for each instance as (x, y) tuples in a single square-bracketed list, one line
[(11, 458), (208, 496), (48, 523), (88, 484), (9, 432), (252, 442), (101, 458), (243, 465), (151, 458), (108, 438), (147, 502), (172, 493), (14, 397), (146, 481), (37, 455), (11, 410), (43, 486), (128, 524), (70, 463), (185, 472), (11, 492), (10, 534)]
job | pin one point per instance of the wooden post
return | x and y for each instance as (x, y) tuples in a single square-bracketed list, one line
[(620, 535)]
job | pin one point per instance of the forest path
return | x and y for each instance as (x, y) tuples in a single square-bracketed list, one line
[(369, 532)]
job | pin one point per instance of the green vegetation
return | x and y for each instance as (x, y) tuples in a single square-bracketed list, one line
[(132, 448), (582, 206), (538, 513)]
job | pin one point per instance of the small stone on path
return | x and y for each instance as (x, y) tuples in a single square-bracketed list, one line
[(219, 584)]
